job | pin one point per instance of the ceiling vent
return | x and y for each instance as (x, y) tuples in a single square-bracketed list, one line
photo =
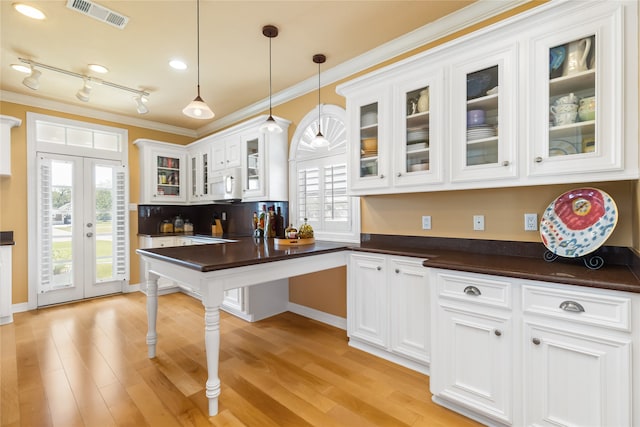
[(98, 12)]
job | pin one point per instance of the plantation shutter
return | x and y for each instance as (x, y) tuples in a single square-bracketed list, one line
[(120, 267), (45, 269)]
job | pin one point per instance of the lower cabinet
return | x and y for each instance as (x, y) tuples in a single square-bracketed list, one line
[(165, 286), (526, 353), (388, 312)]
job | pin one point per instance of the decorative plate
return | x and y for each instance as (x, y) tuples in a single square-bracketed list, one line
[(578, 222), (561, 148)]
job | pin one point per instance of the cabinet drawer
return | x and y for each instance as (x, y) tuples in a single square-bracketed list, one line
[(590, 308), (475, 289)]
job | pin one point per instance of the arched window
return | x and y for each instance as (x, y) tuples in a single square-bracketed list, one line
[(318, 178)]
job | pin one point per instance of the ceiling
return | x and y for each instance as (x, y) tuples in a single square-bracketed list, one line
[(234, 54)]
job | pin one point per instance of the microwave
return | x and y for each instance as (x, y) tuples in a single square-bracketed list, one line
[(226, 185)]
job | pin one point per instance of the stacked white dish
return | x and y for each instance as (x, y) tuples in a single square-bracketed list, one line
[(480, 132), (418, 135)]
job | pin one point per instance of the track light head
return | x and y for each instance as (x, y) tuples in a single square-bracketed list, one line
[(140, 107), (32, 80), (84, 93)]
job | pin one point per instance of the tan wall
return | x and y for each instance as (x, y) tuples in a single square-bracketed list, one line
[(13, 190)]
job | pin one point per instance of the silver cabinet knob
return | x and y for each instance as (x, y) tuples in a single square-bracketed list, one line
[(536, 341), (381, 176), (472, 290), (498, 332), (399, 174), (378, 268), (397, 270), (538, 159), (505, 163), (89, 234), (89, 225)]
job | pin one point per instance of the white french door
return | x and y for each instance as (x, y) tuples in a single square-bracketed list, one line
[(81, 227)]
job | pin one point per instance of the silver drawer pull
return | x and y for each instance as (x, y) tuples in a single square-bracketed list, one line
[(572, 306), (472, 290)]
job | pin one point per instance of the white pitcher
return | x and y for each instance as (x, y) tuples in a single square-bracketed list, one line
[(577, 52)]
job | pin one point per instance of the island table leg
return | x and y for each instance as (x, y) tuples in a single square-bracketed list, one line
[(212, 348), (152, 314)]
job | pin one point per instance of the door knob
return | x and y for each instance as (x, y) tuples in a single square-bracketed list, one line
[(89, 225), (89, 234)]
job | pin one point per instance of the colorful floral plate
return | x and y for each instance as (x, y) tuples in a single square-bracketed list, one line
[(578, 222)]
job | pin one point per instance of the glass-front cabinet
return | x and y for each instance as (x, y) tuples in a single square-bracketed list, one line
[(199, 173), (483, 108), (164, 172), (264, 165), (578, 98), (417, 137), (369, 128)]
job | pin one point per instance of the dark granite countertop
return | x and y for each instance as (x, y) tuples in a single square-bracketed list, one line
[(523, 260), (6, 238), (242, 252)]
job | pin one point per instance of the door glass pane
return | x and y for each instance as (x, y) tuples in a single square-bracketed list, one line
[(168, 176), (62, 226), (205, 174), (482, 117), (253, 163), (105, 194), (572, 101), (417, 102), (369, 140)]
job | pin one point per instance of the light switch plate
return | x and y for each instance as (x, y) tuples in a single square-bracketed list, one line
[(426, 222)]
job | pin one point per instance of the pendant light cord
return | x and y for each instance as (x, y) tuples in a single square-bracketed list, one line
[(269, 76), (198, 42), (319, 130)]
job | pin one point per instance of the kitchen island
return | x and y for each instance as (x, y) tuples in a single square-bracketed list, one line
[(209, 270)]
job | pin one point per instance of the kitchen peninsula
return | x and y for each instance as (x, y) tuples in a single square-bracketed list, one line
[(209, 270)]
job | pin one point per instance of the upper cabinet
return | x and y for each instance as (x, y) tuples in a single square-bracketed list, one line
[(200, 173), (548, 96), (226, 153), (264, 165), (6, 123), (163, 172)]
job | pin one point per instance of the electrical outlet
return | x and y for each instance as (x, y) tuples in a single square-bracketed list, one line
[(530, 222), (426, 222), (478, 222)]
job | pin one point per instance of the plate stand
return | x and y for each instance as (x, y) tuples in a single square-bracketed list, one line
[(592, 262)]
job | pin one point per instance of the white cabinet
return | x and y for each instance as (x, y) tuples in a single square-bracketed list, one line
[(388, 308), (585, 87), (163, 175), (200, 173), (577, 357), (6, 123), (484, 109), (493, 124), (146, 242), (226, 152), (522, 352), (6, 289), (264, 165)]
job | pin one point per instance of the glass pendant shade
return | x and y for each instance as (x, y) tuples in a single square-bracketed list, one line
[(270, 125), (198, 109), (319, 141)]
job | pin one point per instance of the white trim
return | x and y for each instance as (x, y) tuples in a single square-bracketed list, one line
[(459, 20), (320, 316)]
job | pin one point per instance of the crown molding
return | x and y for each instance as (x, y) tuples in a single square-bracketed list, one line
[(33, 101)]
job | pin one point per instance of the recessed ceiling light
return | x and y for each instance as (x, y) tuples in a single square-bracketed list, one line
[(22, 68), (98, 68), (29, 11), (177, 64)]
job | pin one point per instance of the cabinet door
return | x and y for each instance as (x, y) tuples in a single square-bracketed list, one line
[(169, 175), (418, 129), (367, 312), (253, 166), (472, 362), (226, 153), (483, 114), (574, 378), (409, 295), (369, 123), (199, 173), (577, 121), (234, 299)]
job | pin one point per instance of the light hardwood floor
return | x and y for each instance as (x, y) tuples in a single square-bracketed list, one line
[(85, 364)]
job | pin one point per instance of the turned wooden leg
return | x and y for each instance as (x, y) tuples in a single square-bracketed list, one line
[(152, 313), (212, 345)]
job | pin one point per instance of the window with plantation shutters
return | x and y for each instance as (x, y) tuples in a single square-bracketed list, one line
[(318, 179)]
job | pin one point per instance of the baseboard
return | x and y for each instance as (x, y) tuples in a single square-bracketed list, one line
[(383, 354), (320, 316)]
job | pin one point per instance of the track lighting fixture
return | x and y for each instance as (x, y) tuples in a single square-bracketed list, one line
[(198, 109), (140, 100), (32, 82), (270, 125), (319, 141), (84, 93)]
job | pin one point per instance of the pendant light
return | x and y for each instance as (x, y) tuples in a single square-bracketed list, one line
[(319, 141), (198, 109), (270, 125)]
